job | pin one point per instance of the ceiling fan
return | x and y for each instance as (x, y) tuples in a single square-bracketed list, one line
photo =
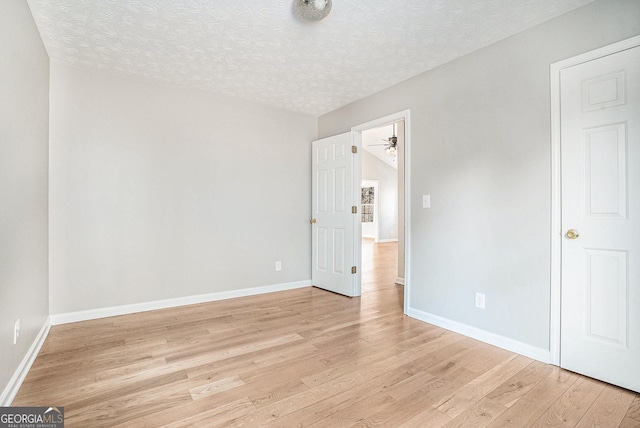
[(390, 144)]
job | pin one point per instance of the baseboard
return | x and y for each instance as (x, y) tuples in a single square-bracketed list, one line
[(503, 342), (92, 314), (399, 280), (387, 240), (21, 372)]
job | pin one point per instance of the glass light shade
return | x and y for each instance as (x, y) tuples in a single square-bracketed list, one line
[(312, 10)]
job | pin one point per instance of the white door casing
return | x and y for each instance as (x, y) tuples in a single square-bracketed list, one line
[(600, 200), (334, 223)]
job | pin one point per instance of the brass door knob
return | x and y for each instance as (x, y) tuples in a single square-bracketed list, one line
[(312, 221), (573, 234)]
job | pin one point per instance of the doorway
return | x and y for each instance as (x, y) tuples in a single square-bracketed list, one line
[(336, 194), (383, 144)]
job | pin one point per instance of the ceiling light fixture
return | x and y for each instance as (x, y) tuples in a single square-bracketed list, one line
[(390, 144), (312, 10), (391, 148)]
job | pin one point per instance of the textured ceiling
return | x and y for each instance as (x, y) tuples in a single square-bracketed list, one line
[(260, 51)]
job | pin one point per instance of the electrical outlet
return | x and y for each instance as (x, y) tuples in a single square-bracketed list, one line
[(278, 266), (480, 300), (16, 331)]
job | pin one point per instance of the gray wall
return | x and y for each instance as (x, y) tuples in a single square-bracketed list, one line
[(480, 133), (159, 191), (24, 124)]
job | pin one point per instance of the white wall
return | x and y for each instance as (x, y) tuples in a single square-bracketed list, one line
[(160, 191), (480, 132), (24, 124), (375, 169)]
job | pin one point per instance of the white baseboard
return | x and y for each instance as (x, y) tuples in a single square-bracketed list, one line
[(399, 280), (503, 342), (21, 372), (91, 314), (388, 240)]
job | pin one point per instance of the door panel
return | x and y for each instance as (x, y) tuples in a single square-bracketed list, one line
[(600, 144), (606, 296), (333, 237), (606, 172)]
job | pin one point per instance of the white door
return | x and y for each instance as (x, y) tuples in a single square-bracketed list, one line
[(600, 143), (333, 222)]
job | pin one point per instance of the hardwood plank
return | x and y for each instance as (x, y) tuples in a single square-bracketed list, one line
[(609, 409), (410, 385), (179, 413), (216, 387), (216, 416), (479, 387), (350, 365), (572, 405), (629, 423), (275, 392), (634, 409), (211, 353), (520, 384), (537, 400), (298, 350), (480, 414), (334, 405), (115, 409), (348, 382), (410, 406), (429, 417), (350, 415)]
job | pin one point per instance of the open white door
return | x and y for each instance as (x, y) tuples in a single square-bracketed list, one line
[(600, 142), (333, 223)]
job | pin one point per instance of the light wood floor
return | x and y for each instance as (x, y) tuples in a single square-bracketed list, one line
[(306, 358)]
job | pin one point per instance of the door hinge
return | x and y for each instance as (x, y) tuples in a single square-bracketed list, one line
[(353, 269), (354, 149), (354, 210)]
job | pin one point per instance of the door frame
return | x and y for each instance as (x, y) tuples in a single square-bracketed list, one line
[(356, 131), (556, 185)]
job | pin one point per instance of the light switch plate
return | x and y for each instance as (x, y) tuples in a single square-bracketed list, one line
[(426, 201), (16, 331), (480, 300)]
